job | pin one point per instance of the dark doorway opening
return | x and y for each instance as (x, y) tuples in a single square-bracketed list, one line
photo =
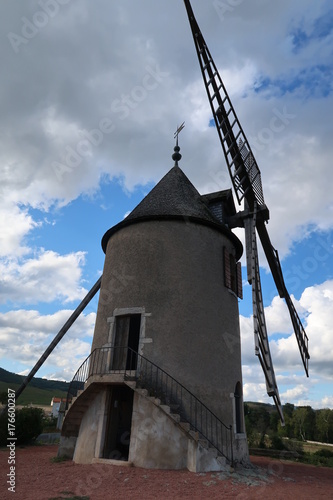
[(118, 425), (238, 407), (127, 334)]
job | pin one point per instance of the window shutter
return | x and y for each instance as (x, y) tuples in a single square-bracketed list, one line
[(227, 270), (239, 280)]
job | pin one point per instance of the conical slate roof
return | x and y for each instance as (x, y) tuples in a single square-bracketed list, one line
[(174, 197)]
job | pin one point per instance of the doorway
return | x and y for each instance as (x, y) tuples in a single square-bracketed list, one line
[(238, 407), (127, 335), (118, 425)]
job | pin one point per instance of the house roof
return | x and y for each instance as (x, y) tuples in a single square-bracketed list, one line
[(174, 197), (57, 400)]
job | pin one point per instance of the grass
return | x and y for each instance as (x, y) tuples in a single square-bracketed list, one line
[(69, 495), (314, 447), (320, 455)]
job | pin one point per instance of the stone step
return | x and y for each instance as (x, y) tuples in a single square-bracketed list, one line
[(185, 425), (194, 434), (221, 460), (131, 384), (175, 416), (71, 430), (80, 408), (205, 444), (75, 421), (154, 400), (142, 392), (166, 408)]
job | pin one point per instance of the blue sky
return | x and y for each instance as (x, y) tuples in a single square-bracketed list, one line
[(92, 95)]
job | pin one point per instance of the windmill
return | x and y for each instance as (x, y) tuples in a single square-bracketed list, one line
[(162, 386), (246, 180)]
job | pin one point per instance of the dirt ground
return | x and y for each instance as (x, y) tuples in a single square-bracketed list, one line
[(38, 478)]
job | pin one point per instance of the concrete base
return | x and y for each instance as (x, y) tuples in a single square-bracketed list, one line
[(241, 449), (66, 447), (85, 450), (203, 459), (156, 442), (109, 461)]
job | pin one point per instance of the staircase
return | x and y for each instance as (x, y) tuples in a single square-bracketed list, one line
[(194, 436), (147, 379)]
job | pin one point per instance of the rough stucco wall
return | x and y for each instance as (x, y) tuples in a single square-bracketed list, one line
[(156, 442), (174, 269)]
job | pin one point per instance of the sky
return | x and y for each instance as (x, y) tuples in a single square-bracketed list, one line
[(91, 94)]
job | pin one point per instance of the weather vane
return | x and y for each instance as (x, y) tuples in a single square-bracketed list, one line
[(176, 155), (179, 129)]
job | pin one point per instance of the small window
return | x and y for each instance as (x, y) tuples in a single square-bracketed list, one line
[(232, 274), (217, 210)]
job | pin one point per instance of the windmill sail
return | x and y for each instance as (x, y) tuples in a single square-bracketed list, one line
[(246, 179), (262, 349), (272, 257), (243, 169)]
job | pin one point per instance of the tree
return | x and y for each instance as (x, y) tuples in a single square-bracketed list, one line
[(304, 420), (257, 422), (324, 426), (287, 429), (4, 397)]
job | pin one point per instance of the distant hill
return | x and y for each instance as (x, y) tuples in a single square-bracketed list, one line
[(267, 406), (39, 391)]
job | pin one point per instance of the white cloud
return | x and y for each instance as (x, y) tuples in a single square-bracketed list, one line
[(15, 224), (296, 393), (256, 392), (46, 278), (327, 402), (51, 103), (318, 302), (25, 334)]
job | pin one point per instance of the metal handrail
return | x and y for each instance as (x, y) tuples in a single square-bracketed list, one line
[(148, 375)]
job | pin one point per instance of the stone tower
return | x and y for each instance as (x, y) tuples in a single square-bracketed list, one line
[(169, 293)]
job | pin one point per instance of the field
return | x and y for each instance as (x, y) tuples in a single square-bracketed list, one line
[(34, 395), (39, 392)]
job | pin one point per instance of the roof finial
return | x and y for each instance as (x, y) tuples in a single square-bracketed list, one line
[(176, 155)]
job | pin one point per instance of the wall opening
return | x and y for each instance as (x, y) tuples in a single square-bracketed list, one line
[(238, 407), (127, 334), (118, 424)]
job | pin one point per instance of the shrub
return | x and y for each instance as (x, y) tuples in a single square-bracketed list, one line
[(294, 446), (277, 442), (49, 424), (28, 425), (324, 452)]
